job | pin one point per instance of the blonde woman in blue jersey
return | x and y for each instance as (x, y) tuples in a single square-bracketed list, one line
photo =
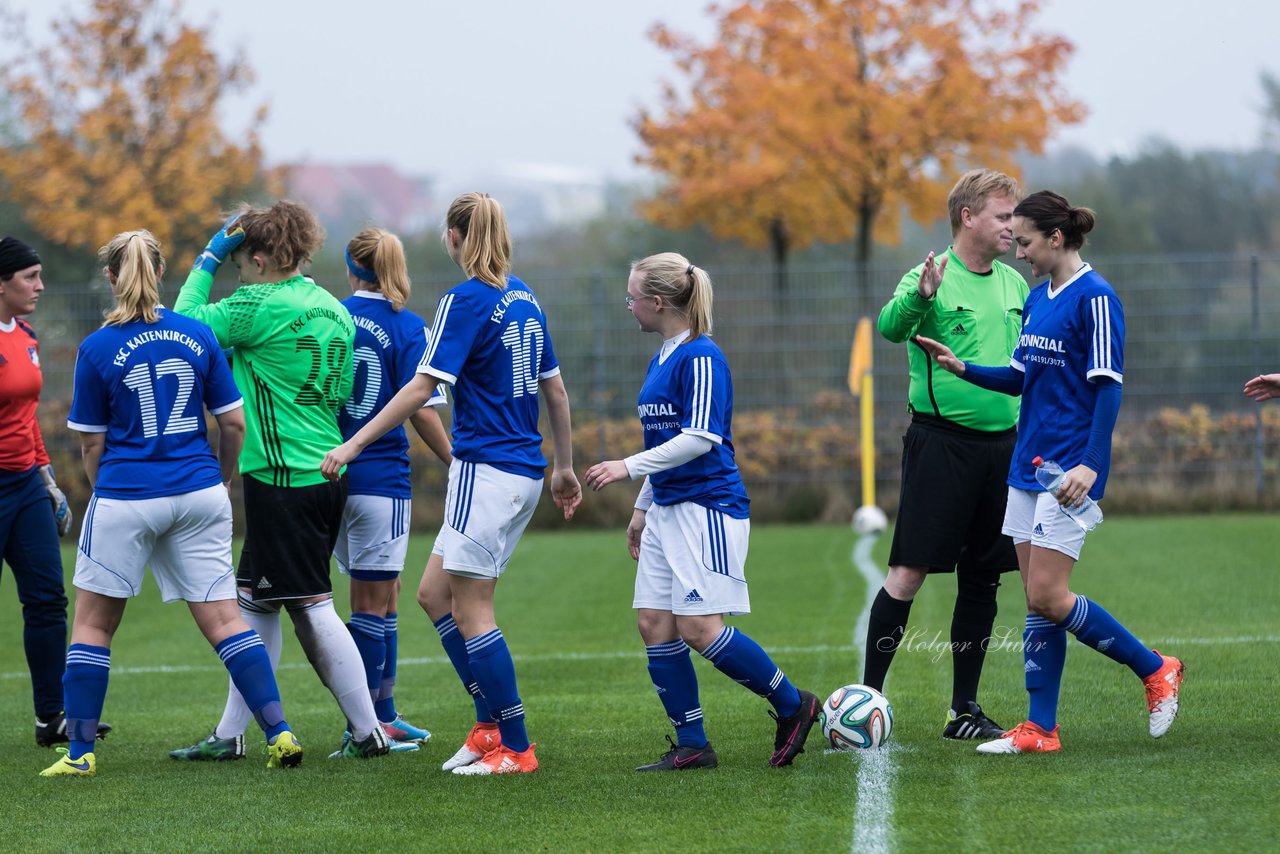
[(490, 341), (691, 523), (1068, 367), (374, 536), (142, 383)]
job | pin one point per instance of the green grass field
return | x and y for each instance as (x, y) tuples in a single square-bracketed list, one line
[(1201, 588)]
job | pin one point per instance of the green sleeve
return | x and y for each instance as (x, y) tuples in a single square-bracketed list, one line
[(901, 316), (193, 301)]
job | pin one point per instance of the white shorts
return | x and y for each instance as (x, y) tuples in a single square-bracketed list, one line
[(185, 538), (693, 561), (485, 512), (374, 535), (1036, 517)]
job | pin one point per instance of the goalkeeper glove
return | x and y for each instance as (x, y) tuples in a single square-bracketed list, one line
[(220, 246), (61, 511)]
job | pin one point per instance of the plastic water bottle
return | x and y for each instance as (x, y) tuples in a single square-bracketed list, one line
[(1087, 514)]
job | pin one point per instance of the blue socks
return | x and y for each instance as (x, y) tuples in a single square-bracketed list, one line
[(671, 670), (495, 673), (1094, 627), (84, 689), (385, 705), (1044, 652), (742, 660), (456, 648), (246, 659), (369, 633)]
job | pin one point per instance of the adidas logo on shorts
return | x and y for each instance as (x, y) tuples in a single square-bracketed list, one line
[(263, 584), (692, 597), (1038, 530)]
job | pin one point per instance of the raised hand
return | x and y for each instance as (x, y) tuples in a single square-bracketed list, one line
[(931, 277), (220, 246), (941, 354)]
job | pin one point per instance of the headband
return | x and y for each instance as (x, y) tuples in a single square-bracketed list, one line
[(16, 255), (364, 274)]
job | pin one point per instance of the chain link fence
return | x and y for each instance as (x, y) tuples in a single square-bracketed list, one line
[(1197, 328)]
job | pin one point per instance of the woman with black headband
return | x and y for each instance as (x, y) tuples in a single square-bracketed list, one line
[(33, 510)]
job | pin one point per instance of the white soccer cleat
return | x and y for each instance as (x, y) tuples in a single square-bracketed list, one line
[(502, 760), (482, 739), (1162, 694), (1024, 738)]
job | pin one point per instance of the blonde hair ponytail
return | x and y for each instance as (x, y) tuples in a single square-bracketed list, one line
[(134, 259), (382, 252), (485, 253), (684, 287)]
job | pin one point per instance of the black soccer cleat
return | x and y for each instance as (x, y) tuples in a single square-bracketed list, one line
[(788, 742), (972, 724), (212, 749), (682, 757), (53, 730)]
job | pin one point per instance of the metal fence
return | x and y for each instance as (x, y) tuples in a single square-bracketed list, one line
[(1197, 328)]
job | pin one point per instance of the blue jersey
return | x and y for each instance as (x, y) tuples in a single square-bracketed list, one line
[(1070, 337), (692, 392), (493, 347), (388, 346), (146, 386)]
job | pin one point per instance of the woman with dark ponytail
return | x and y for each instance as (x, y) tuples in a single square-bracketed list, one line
[(1068, 367)]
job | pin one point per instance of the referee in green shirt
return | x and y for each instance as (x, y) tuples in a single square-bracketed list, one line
[(955, 454)]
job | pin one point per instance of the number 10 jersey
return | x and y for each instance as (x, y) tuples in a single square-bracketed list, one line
[(493, 347)]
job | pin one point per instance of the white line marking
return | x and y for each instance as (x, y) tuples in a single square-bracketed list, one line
[(877, 769), (821, 649)]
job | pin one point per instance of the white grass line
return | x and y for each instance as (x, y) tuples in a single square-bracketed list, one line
[(606, 655), (877, 769)]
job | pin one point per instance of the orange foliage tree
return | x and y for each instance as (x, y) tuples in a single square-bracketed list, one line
[(118, 129), (821, 120)]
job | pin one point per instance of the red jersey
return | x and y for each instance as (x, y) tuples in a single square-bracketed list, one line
[(21, 445)]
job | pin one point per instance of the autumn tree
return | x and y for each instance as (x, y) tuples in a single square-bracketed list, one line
[(822, 120), (118, 129)]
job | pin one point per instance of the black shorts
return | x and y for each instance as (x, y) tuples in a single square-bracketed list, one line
[(954, 491), (289, 536)]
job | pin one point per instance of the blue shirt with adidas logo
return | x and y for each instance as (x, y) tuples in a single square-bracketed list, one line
[(1070, 337), (692, 392)]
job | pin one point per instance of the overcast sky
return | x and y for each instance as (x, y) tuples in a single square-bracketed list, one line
[(465, 87)]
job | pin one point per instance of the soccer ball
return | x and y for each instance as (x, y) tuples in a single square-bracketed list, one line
[(869, 519), (856, 717)]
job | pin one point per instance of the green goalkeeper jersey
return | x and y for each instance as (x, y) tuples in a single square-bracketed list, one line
[(293, 363), (979, 317)]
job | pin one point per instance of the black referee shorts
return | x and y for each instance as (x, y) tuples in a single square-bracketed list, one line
[(954, 490), (289, 536)]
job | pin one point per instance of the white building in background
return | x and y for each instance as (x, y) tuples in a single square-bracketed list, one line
[(535, 196)]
